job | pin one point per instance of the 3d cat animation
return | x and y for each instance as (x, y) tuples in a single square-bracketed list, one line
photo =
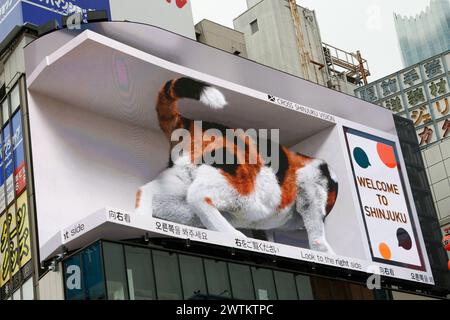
[(238, 194)]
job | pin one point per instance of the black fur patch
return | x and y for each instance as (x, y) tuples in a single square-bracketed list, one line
[(170, 165), (186, 123), (206, 125), (229, 168), (283, 165), (189, 88), (331, 184), (325, 171), (167, 88)]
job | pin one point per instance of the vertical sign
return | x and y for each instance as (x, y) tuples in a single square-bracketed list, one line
[(19, 155), (4, 261), (8, 246), (8, 163), (385, 208), (23, 230), (2, 178)]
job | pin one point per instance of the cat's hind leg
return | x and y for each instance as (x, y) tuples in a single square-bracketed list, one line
[(209, 193), (311, 204)]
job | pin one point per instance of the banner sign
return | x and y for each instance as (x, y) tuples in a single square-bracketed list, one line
[(18, 12), (136, 225), (385, 208), (9, 166), (2, 178), (19, 154), (15, 246), (279, 176)]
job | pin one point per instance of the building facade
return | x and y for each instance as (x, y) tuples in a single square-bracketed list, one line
[(282, 35), (221, 37), (421, 94), (426, 34), (101, 142), (224, 266)]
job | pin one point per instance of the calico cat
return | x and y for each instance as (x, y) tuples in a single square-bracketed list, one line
[(243, 194)]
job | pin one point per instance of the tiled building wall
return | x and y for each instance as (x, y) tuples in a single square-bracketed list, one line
[(437, 162)]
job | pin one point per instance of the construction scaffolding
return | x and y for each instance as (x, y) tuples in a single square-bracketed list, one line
[(302, 51), (347, 66), (342, 63)]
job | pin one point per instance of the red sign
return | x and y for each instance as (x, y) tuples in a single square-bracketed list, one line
[(20, 177), (180, 3), (446, 242)]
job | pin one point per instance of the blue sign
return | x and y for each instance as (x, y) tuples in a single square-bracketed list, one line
[(10, 16), (9, 166), (18, 12), (19, 153)]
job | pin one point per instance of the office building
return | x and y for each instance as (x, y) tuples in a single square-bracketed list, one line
[(425, 34)]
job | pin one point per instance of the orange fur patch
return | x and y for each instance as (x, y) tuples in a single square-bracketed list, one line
[(138, 198), (289, 187), (331, 200), (209, 201)]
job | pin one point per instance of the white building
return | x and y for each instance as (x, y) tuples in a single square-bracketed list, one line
[(285, 36)]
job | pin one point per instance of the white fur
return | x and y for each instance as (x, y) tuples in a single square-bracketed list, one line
[(185, 188), (213, 98), (311, 204), (183, 193)]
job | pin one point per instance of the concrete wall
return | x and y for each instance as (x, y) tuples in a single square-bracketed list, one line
[(14, 63), (159, 13), (51, 285), (437, 164), (221, 37), (274, 44)]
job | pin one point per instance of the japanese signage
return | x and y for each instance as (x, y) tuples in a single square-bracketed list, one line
[(422, 96), (15, 248), (2, 178), (8, 163), (18, 12), (19, 155), (388, 87)]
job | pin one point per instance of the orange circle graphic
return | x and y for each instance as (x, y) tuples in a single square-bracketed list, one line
[(386, 154), (385, 251)]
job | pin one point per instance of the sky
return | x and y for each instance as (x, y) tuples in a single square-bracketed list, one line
[(365, 25)]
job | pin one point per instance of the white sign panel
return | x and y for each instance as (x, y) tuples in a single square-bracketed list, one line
[(384, 204)]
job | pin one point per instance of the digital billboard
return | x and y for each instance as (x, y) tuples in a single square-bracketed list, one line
[(38, 12), (146, 146)]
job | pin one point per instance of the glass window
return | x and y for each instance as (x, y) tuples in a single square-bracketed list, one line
[(94, 281), (5, 111), (285, 284), (116, 279), (15, 98), (140, 273), (73, 278), (304, 289), (27, 290), (264, 284), (254, 26), (241, 282), (217, 278), (192, 276), (167, 273)]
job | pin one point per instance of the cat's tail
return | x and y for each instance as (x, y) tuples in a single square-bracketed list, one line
[(168, 114)]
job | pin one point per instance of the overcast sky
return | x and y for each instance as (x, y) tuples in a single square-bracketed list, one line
[(366, 25)]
